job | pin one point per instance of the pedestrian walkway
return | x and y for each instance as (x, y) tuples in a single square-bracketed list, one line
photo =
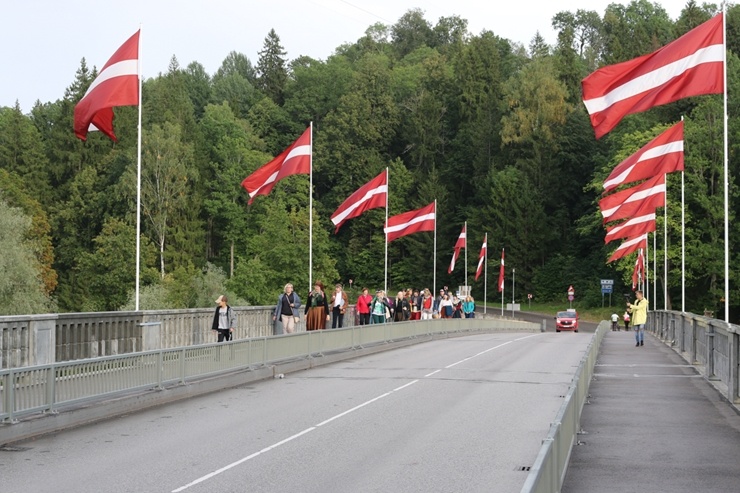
[(653, 424)]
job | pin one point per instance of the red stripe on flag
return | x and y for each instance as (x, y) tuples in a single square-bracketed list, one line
[(416, 221), (689, 66), (295, 160), (371, 195), (117, 84), (664, 154)]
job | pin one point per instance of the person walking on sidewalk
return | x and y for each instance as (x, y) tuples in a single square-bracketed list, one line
[(615, 322), (639, 317)]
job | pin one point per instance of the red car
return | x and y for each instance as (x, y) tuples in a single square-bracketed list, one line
[(567, 320)]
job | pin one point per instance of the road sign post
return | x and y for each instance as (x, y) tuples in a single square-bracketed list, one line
[(571, 296)]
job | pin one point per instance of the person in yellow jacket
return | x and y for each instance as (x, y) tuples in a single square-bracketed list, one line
[(639, 317)]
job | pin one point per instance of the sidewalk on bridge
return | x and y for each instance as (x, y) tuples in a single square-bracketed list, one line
[(653, 424)]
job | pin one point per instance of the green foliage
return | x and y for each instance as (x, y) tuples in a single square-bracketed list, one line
[(495, 132), (21, 287)]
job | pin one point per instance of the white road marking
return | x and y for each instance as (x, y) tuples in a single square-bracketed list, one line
[(312, 428)]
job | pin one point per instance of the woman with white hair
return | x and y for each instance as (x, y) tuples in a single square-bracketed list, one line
[(287, 309)]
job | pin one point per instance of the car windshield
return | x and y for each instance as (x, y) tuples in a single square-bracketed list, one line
[(566, 314)]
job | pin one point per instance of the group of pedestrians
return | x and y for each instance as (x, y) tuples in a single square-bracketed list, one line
[(409, 304), (321, 307)]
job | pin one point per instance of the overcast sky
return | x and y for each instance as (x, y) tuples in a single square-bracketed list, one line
[(43, 41)]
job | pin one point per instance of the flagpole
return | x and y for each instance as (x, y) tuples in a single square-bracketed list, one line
[(655, 268), (138, 185), (503, 284), (665, 247), (434, 274), (466, 258), (646, 260), (485, 276), (387, 192), (310, 215), (683, 246), (726, 167)]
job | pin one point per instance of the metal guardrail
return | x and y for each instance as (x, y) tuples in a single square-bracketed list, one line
[(548, 472), (711, 345), (27, 391)]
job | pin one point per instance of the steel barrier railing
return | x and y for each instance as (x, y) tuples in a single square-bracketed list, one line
[(27, 391), (711, 345)]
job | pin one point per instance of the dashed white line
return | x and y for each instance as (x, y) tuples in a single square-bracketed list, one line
[(327, 421)]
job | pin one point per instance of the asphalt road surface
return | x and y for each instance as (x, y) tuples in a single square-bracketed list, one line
[(461, 414)]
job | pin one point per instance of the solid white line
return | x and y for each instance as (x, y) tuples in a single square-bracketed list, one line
[(489, 350), (430, 374)]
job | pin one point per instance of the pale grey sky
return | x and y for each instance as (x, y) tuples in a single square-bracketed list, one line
[(43, 41)]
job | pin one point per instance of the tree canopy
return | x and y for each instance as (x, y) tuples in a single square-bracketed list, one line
[(493, 130)]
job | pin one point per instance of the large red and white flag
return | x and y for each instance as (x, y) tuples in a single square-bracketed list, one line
[(628, 246), (416, 221), (639, 270), (482, 257), (117, 84), (689, 66), (501, 273), (625, 203), (369, 196), (459, 244), (663, 154), (295, 160), (638, 225)]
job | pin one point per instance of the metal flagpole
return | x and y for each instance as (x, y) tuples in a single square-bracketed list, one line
[(683, 242), (502, 288), (485, 275), (665, 247), (434, 278), (655, 268), (683, 246), (726, 172), (387, 191), (310, 216), (138, 187), (513, 278), (646, 267), (466, 258)]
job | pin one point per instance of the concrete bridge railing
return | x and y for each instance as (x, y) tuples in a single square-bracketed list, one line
[(711, 345), (74, 392), (30, 340)]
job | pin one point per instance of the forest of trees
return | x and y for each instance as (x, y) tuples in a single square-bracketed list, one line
[(495, 131)]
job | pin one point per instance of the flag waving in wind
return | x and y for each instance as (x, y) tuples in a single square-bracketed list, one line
[(423, 219), (482, 257), (117, 84), (689, 66), (663, 154), (369, 196), (501, 274), (295, 160), (459, 244)]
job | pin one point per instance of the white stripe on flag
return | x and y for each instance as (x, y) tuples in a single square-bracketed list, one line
[(651, 153), (119, 69), (635, 197), (269, 180), (655, 78), (370, 194), (401, 227), (304, 150), (632, 222)]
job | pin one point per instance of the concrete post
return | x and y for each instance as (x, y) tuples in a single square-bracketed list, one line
[(43, 339)]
